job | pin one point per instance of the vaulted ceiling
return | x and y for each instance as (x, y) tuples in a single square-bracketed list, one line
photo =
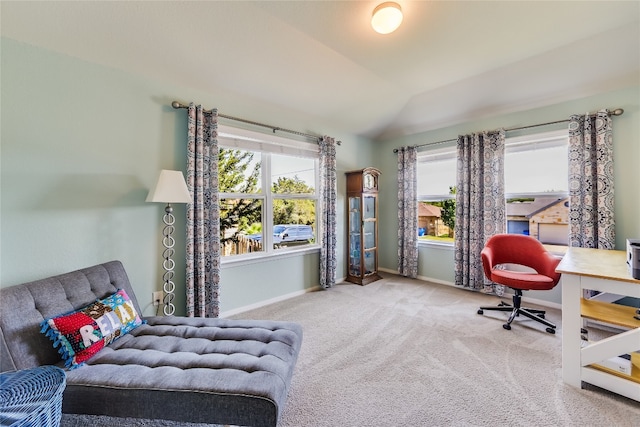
[(449, 62)]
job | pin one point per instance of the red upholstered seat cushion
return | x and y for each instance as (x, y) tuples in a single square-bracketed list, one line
[(521, 280)]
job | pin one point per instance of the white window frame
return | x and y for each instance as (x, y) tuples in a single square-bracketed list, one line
[(242, 139)]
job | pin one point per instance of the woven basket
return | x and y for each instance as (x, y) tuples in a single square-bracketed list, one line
[(32, 397)]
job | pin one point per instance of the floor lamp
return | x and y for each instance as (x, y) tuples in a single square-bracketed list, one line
[(170, 188)]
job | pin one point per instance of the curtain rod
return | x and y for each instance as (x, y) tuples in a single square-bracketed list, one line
[(178, 105), (616, 112)]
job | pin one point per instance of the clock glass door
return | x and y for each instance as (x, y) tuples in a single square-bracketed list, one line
[(355, 228), (369, 234)]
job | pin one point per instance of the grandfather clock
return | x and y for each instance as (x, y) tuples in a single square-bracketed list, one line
[(362, 225)]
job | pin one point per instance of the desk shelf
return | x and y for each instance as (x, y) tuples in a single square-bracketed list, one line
[(604, 271), (635, 372), (614, 314), (618, 315)]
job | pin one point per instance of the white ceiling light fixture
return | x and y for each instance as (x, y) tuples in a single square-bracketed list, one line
[(387, 17)]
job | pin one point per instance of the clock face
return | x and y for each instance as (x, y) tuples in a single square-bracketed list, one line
[(369, 181)]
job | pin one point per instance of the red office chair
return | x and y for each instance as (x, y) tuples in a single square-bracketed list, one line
[(526, 251)]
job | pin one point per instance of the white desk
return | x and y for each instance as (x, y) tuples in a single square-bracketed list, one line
[(604, 271)]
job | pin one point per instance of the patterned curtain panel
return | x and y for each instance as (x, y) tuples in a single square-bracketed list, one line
[(408, 212), (591, 219), (328, 191), (203, 215), (480, 205)]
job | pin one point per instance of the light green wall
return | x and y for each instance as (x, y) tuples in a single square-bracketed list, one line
[(437, 263), (82, 144)]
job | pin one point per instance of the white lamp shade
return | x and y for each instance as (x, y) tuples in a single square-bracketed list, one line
[(171, 188), (387, 17)]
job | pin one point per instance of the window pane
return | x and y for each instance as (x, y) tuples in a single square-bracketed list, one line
[(294, 222), (290, 234), (294, 211), (436, 220), (292, 175), (436, 194), (536, 167), (239, 171), (545, 218), (436, 174), (536, 184), (240, 226)]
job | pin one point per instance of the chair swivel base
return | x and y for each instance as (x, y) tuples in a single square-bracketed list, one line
[(517, 310)]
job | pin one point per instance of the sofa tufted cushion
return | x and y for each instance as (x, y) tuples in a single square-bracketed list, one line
[(177, 362), (217, 371)]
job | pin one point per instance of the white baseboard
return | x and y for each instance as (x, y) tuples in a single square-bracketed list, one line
[(438, 281), (239, 310), (423, 278), (267, 302), (542, 302), (536, 301), (525, 299)]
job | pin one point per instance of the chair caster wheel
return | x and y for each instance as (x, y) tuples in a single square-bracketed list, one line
[(507, 326), (480, 311), (551, 330)]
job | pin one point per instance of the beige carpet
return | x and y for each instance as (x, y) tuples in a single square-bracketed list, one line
[(402, 352)]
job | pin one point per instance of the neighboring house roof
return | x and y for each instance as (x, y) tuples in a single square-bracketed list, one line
[(528, 209), (428, 210)]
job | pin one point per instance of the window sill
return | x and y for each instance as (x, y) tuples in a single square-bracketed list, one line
[(557, 250), (435, 245), (241, 260)]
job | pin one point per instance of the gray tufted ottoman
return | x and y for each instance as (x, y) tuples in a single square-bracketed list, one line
[(217, 371)]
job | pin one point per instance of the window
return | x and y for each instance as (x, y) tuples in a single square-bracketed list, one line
[(269, 199), (436, 194), (536, 189), (537, 186)]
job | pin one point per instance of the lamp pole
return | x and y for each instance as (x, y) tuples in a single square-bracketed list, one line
[(170, 188), (168, 264)]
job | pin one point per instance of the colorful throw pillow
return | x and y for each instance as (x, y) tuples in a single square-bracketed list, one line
[(81, 334)]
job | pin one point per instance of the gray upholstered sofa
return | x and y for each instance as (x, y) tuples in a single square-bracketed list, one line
[(217, 371)]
